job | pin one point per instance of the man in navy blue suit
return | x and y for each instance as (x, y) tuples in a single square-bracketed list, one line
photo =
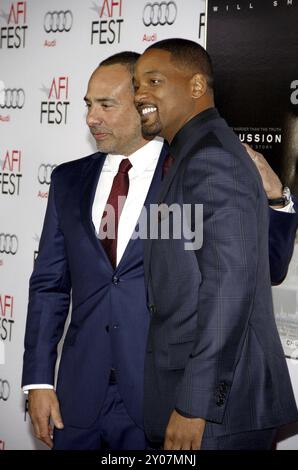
[(99, 397), (99, 400), (215, 372)]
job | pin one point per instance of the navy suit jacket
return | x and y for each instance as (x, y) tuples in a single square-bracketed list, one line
[(109, 319), (213, 348)]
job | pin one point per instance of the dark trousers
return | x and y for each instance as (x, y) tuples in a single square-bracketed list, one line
[(113, 429)]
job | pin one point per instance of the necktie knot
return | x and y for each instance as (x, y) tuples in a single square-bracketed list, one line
[(124, 166)]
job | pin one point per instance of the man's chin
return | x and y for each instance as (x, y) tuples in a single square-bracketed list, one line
[(152, 130), (103, 148)]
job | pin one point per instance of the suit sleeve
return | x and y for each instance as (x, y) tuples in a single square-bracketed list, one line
[(282, 231), (228, 261), (49, 300)]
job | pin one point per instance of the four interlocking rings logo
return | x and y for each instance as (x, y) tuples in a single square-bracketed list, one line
[(9, 244), (4, 390), (162, 13), (44, 173), (12, 98), (58, 21)]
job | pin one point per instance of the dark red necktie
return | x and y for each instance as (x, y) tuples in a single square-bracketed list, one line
[(166, 164), (119, 189)]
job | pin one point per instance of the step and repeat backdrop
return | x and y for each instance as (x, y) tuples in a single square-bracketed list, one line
[(48, 50)]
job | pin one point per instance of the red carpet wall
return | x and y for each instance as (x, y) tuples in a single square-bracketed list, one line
[(48, 50)]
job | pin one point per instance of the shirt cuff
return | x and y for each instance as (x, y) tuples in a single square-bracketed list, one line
[(37, 386), (289, 208)]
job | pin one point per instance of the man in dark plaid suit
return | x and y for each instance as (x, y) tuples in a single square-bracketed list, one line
[(215, 372)]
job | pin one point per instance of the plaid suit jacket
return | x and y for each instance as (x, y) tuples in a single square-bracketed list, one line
[(213, 348)]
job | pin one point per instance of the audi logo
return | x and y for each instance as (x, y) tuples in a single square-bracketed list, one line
[(44, 173), (58, 21), (12, 98), (4, 390), (9, 244), (162, 13)]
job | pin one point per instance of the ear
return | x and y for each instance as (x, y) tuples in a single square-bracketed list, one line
[(198, 85)]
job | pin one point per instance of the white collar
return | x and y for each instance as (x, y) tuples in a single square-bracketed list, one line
[(143, 159)]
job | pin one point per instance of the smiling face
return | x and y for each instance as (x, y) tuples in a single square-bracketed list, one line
[(163, 94), (112, 117)]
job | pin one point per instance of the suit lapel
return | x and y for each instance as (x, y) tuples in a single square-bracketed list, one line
[(188, 147), (153, 199), (89, 181)]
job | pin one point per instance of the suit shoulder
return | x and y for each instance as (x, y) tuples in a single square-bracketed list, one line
[(74, 166), (209, 141)]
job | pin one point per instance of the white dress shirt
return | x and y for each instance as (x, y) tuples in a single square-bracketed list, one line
[(143, 162)]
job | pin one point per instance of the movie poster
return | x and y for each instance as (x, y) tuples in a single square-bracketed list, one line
[(254, 47)]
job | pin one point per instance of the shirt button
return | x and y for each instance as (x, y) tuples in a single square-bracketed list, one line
[(115, 280)]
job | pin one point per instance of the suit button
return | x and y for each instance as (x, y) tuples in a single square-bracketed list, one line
[(107, 328), (222, 387), (152, 309), (115, 280), (115, 326), (220, 401)]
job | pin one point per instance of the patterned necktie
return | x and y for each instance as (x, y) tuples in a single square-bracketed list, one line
[(119, 190), (166, 164)]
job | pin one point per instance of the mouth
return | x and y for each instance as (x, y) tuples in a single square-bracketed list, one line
[(146, 110), (99, 135)]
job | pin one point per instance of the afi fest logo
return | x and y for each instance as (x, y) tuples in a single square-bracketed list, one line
[(108, 29), (6, 317), (10, 173), (13, 35), (54, 110)]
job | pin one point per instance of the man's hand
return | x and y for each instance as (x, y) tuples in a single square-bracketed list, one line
[(271, 182), (184, 433), (43, 405)]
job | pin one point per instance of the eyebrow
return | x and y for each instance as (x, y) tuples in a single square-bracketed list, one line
[(101, 100), (154, 71)]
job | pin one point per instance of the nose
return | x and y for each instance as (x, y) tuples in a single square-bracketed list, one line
[(141, 95), (93, 116)]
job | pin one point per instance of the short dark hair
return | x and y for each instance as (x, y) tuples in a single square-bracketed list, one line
[(188, 54), (126, 58)]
